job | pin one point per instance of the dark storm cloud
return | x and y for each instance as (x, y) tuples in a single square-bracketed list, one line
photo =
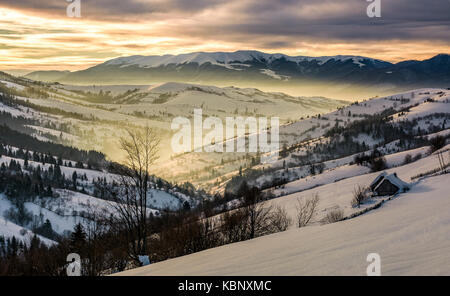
[(108, 9), (336, 19), (401, 19)]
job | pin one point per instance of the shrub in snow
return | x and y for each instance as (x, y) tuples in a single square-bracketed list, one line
[(437, 143), (378, 164), (334, 216), (417, 157), (408, 159), (279, 219)]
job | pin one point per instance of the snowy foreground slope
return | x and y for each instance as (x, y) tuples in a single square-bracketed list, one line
[(409, 232)]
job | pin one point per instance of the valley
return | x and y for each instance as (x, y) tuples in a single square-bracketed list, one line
[(69, 137)]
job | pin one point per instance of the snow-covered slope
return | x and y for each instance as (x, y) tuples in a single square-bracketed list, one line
[(309, 132), (9, 230), (335, 187), (67, 207), (67, 113), (410, 233)]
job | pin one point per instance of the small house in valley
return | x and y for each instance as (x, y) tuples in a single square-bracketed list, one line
[(386, 184)]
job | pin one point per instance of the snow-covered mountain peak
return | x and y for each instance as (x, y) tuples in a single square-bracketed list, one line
[(226, 59)]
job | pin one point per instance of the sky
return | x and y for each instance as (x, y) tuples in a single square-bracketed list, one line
[(39, 34)]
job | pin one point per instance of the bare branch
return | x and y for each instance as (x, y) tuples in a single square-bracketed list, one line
[(306, 210)]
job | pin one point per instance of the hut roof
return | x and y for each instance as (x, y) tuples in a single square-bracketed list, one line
[(378, 179), (395, 180)]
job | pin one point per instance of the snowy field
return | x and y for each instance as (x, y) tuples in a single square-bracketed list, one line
[(339, 194), (410, 233)]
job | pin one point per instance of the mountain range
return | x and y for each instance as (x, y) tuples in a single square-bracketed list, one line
[(337, 76)]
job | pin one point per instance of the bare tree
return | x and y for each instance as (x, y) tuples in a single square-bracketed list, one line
[(279, 219), (306, 210), (131, 198), (359, 196), (437, 143), (258, 214), (95, 250), (233, 226), (253, 219)]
